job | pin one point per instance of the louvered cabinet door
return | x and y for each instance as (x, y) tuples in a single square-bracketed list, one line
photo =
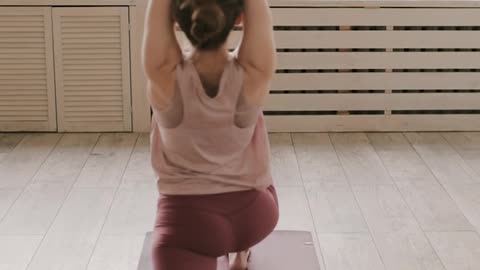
[(27, 89), (92, 68)]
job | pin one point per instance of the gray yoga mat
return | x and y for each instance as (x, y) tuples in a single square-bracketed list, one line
[(281, 250)]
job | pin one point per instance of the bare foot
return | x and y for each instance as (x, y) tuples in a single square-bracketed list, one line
[(239, 260)]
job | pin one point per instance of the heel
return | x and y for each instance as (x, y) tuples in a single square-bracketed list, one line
[(249, 253)]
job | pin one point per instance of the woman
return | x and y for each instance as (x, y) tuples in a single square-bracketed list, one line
[(209, 145)]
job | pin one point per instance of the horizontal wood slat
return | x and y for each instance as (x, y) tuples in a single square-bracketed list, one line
[(23, 108), (96, 108), (5, 34), (378, 60), (82, 19), (22, 112), (21, 102), (377, 39), (370, 17), (74, 88), (81, 99), (11, 29), (372, 101), (342, 123), (97, 103), (32, 17), (376, 81), (92, 94), (23, 122), (87, 25), (21, 98), (69, 114)]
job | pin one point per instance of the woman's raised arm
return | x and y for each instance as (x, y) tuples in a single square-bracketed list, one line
[(257, 50), (160, 52)]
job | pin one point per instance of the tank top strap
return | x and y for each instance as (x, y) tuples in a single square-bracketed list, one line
[(185, 87)]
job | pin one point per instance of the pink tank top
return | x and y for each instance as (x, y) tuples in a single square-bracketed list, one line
[(217, 144)]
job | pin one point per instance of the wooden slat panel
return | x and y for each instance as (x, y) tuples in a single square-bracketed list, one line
[(376, 81), (377, 39), (342, 123), (27, 91), (372, 101), (368, 17), (378, 60), (93, 66), (387, 61)]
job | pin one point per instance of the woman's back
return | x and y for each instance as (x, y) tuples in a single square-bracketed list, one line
[(203, 144), (210, 148)]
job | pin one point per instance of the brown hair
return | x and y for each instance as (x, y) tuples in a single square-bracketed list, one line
[(206, 23)]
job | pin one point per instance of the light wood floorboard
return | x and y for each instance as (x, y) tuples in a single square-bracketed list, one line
[(372, 201)]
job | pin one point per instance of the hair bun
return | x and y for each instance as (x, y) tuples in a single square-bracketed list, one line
[(207, 21)]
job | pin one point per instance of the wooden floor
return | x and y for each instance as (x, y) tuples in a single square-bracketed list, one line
[(373, 201)]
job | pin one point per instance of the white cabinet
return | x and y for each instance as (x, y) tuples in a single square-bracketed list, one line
[(65, 69), (346, 65), (27, 90), (92, 69)]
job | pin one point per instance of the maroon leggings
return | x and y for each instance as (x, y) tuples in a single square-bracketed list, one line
[(191, 231)]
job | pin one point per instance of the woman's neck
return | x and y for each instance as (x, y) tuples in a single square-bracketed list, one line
[(210, 59)]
